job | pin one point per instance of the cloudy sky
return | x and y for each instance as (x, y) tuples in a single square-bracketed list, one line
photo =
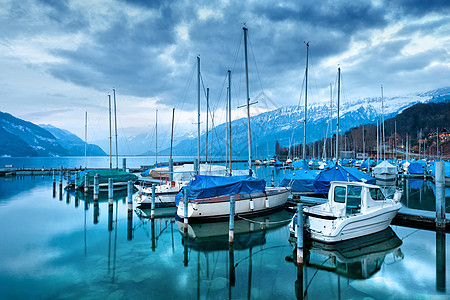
[(61, 58)]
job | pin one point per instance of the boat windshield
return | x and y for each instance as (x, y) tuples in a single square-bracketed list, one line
[(377, 194)]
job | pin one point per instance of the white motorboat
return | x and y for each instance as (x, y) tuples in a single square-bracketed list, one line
[(353, 209), (209, 197), (164, 193), (385, 171)]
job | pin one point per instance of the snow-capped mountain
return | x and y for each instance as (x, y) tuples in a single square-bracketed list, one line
[(285, 124)]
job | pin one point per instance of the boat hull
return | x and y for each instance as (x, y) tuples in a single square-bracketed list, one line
[(352, 226), (386, 177), (167, 199), (219, 207)]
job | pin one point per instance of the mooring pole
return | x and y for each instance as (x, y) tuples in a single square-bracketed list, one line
[(124, 164), (54, 183), (77, 176), (86, 183), (110, 192), (153, 201), (299, 233), (185, 210), (130, 195), (231, 224), (440, 261), (96, 187), (440, 194)]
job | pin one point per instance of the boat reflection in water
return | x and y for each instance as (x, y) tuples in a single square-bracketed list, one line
[(248, 233), (212, 250), (358, 258)]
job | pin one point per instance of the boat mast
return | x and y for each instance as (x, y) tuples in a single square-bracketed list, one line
[(331, 121), (337, 121), (171, 136), (198, 117), (110, 134), (207, 116), (115, 127), (382, 122), (85, 140), (248, 106), (306, 102), (156, 135), (229, 117), (378, 140)]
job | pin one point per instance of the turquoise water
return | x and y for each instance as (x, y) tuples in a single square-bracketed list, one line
[(61, 245)]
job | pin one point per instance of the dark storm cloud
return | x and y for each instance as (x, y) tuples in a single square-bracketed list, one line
[(417, 8), (150, 52)]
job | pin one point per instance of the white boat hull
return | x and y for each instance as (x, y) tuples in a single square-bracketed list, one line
[(160, 200), (352, 226), (219, 207), (386, 177)]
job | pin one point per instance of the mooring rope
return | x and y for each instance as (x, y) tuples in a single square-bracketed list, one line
[(264, 223)]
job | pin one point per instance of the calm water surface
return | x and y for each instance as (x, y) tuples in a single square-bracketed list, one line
[(61, 245)]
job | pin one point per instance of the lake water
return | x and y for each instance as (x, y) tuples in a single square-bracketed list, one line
[(61, 245)]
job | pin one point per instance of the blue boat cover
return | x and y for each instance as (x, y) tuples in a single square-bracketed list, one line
[(415, 184), (299, 180), (205, 186), (447, 169), (415, 168), (338, 173), (300, 165), (278, 163)]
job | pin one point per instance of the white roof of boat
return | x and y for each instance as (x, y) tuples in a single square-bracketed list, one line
[(355, 183)]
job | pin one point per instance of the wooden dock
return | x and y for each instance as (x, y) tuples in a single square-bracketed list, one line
[(407, 217)]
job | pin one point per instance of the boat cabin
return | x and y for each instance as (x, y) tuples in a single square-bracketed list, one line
[(347, 198)]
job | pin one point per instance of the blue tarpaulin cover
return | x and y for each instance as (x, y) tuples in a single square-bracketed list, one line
[(415, 168), (446, 166), (299, 165), (204, 186), (339, 173), (299, 180)]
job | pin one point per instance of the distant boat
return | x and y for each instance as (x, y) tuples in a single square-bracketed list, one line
[(385, 171), (120, 178), (353, 209)]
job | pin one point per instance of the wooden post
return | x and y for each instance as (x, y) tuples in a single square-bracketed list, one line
[(54, 183), (439, 179), (440, 261), (77, 176), (110, 191), (130, 210), (86, 183), (153, 201), (231, 224), (299, 233), (185, 209), (130, 195), (96, 187)]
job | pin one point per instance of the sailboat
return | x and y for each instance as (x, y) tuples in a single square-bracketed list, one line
[(209, 196), (120, 177)]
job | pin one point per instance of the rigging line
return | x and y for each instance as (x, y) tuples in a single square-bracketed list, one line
[(408, 235), (260, 250), (185, 92), (256, 67)]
